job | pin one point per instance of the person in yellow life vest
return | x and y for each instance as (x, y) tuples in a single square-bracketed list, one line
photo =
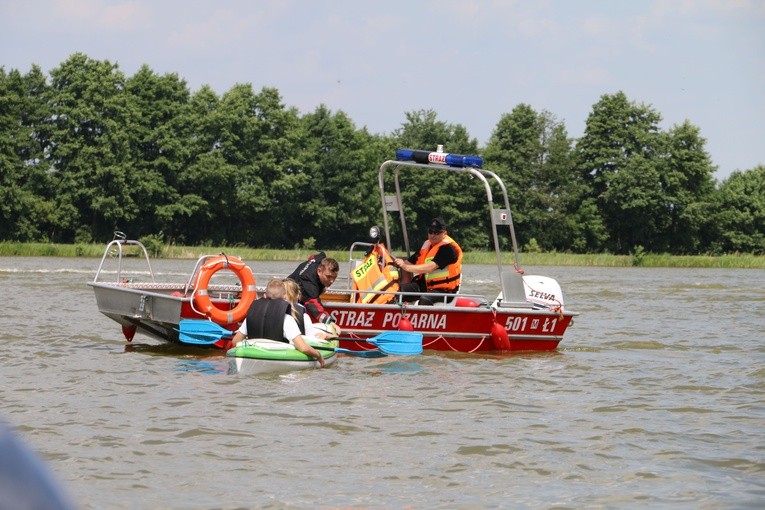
[(437, 266), (378, 274)]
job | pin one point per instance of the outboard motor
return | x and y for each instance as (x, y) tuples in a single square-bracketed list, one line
[(543, 292)]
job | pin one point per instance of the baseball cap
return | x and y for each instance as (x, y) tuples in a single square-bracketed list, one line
[(437, 225)]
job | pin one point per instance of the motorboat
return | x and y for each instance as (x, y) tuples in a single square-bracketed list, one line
[(528, 314)]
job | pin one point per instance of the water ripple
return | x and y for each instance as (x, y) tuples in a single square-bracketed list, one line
[(655, 399)]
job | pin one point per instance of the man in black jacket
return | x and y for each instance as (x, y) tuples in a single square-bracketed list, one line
[(313, 276)]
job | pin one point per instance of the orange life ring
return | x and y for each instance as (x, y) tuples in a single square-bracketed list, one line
[(246, 278)]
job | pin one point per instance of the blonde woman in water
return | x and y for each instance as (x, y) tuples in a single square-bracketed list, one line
[(300, 314)]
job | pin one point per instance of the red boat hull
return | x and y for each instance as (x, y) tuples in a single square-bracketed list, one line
[(454, 328)]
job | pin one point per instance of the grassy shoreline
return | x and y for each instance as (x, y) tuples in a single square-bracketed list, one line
[(737, 261)]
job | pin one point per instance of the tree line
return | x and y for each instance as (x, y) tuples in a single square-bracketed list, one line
[(86, 151)]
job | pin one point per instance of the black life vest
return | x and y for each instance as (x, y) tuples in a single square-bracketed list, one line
[(265, 319)]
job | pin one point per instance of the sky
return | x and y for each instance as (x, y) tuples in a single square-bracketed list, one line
[(471, 61)]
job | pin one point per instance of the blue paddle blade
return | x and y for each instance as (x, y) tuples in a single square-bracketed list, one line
[(197, 339), (201, 332), (401, 343), (202, 326)]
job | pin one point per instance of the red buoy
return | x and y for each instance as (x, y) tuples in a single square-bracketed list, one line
[(466, 302), (499, 337), (405, 324), (129, 332)]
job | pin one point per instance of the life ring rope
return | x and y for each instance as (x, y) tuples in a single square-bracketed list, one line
[(201, 296)]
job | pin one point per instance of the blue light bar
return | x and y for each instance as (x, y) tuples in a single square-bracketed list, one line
[(441, 158)]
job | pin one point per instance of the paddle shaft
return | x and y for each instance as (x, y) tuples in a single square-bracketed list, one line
[(361, 354), (375, 339), (351, 339), (389, 342)]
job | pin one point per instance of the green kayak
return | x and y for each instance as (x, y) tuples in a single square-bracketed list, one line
[(261, 356)]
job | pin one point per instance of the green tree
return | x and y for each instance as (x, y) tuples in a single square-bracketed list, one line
[(633, 206), (159, 110), (620, 157), (339, 196), (219, 167), (189, 218), (688, 188), (531, 151), (90, 148), (92, 151), (237, 154), (27, 212), (269, 180), (739, 213)]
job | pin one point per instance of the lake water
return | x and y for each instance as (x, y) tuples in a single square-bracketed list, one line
[(654, 399)]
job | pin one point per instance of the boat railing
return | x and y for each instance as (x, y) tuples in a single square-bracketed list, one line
[(438, 298), (115, 249), (498, 216)]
